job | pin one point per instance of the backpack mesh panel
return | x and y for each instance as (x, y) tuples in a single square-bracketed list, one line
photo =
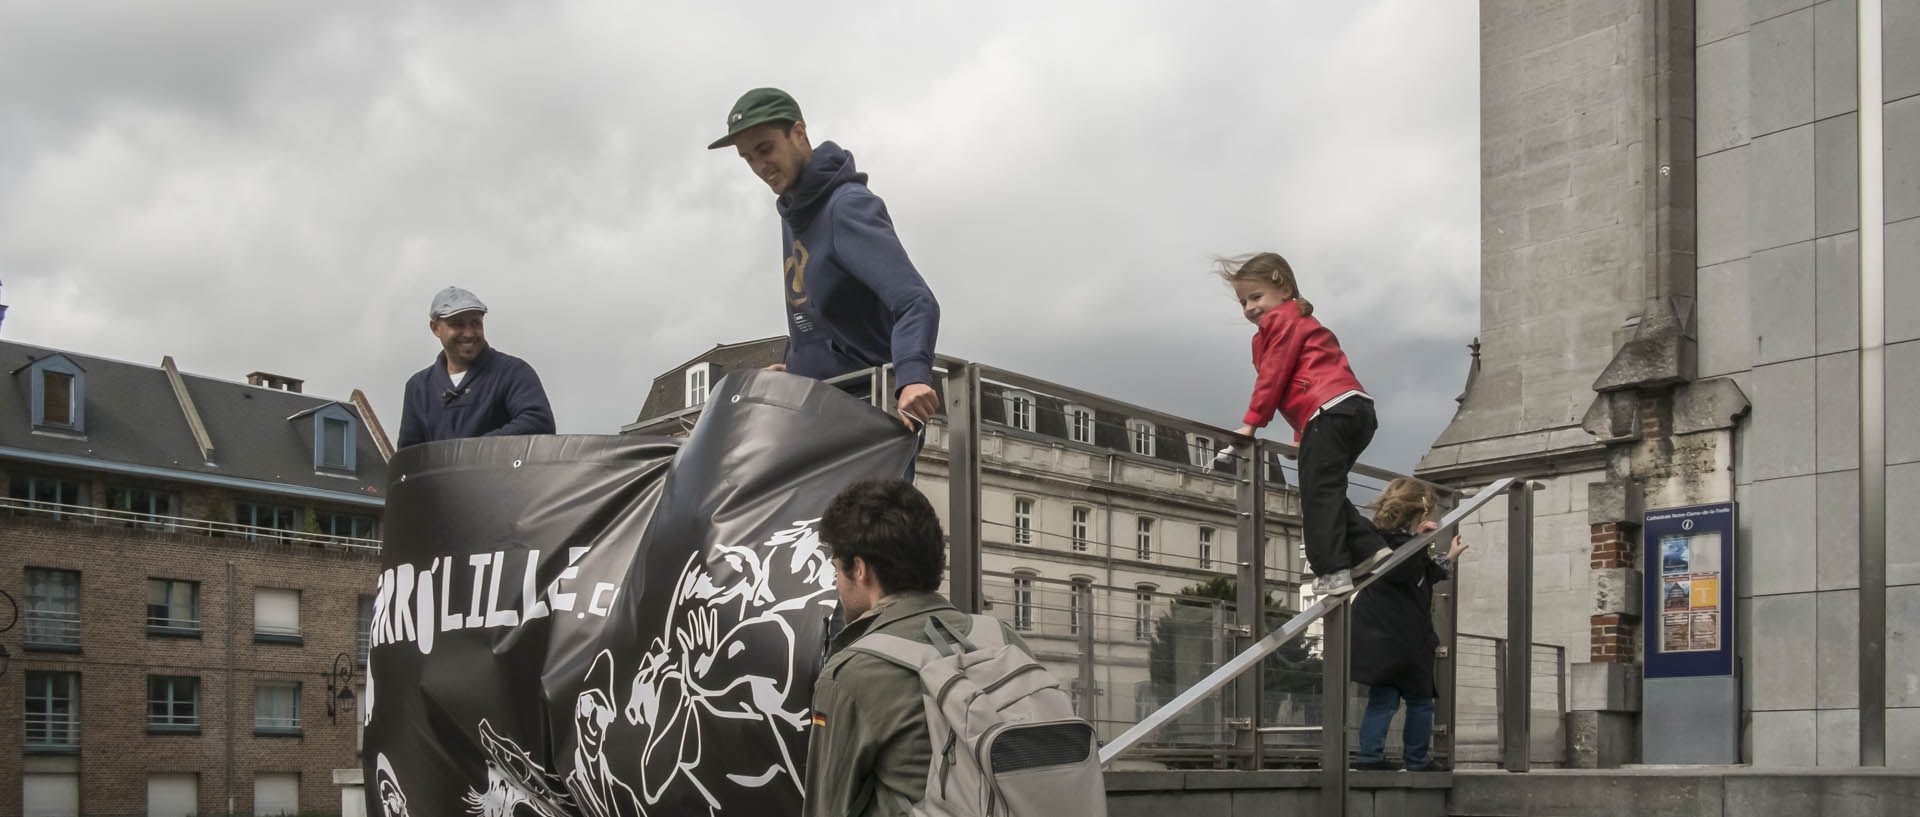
[(1031, 747)]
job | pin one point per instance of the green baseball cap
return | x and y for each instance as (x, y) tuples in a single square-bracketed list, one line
[(758, 107)]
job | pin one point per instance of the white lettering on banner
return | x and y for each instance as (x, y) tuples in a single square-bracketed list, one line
[(497, 617), (382, 602), (403, 629), (594, 606), (531, 607), (480, 562), (564, 601), (424, 596), (448, 621), (404, 606)]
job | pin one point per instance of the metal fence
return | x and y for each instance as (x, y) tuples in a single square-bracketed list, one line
[(1480, 678), (179, 524), (1198, 682), (52, 732)]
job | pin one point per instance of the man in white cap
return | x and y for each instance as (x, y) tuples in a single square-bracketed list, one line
[(472, 389)]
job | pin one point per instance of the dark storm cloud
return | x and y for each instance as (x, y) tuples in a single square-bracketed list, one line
[(282, 186)]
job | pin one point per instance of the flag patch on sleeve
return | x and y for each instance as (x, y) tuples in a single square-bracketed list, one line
[(819, 718)]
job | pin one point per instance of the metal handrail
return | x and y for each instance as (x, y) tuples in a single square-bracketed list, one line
[(184, 524), (1294, 628), (51, 627), (55, 731)]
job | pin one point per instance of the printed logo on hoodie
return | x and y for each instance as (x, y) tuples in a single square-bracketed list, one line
[(796, 269)]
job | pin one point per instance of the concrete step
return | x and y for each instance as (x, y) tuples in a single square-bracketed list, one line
[(1706, 791)]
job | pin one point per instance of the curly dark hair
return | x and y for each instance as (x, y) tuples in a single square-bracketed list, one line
[(891, 525)]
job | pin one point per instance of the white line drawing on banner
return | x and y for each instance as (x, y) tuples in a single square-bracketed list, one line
[(595, 789), (516, 786), (697, 669), (699, 666), (393, 802)]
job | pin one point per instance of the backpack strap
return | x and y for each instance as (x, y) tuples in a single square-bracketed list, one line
[(945, 639), (986, 631), (896, 650)]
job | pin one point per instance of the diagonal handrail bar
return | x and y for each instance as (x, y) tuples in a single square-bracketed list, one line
[(1292, 629)]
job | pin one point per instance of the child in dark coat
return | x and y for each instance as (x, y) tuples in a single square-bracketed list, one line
[(1393, 638)]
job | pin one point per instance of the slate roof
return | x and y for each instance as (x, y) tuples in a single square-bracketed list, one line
[(133, 419), (669, 392)]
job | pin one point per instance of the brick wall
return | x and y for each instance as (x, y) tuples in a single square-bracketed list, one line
[(118, 654)]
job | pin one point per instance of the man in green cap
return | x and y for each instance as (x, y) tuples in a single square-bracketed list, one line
[(854, 300)]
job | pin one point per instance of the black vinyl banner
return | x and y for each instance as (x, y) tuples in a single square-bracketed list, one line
[(613, 626)]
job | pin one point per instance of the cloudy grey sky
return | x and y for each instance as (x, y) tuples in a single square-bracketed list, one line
[(282, 186)]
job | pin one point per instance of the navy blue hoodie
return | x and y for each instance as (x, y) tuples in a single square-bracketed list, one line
[(500, 395), (854, 300)]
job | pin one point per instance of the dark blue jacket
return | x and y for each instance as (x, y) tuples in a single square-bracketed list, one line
[(854, 300), (500, 395)]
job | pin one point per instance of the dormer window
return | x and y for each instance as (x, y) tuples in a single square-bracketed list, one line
[(1140, 433), (1199, 450), (1019, 406), (1080, 424), (59, 394), (699, 376), (335, 431)]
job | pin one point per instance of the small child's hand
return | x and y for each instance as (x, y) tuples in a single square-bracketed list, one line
[(1428, 526), (1459, 547)]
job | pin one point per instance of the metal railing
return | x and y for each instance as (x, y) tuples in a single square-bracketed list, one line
[(178, 624), (1481, 677), (180, 524), (264, 723), (52, 628), (1133, 654), (52, 732)]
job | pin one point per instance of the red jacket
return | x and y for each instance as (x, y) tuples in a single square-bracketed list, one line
[(1300, 368)]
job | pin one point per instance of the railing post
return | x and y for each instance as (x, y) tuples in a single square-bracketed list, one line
[(1446, 670), (1250, 614), (1499, 697), (1333, 711), (1517, 694), (963, 485), (1082, 600), (1219, 637), (1561, 756)]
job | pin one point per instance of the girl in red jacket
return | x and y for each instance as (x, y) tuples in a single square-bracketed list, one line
[(1305, 377)]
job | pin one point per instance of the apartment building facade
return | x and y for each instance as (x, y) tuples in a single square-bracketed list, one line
[(191, 560), (1096, 517)]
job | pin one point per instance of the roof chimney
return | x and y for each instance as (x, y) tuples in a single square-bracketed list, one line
[(274, 381)]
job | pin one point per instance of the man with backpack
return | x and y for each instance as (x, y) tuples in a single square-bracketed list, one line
[(922, 709)]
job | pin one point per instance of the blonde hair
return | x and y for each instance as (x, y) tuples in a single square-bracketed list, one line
[(1403, 503), (1264, 266)]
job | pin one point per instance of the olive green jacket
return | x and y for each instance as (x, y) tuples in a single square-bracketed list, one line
[(868, 751)]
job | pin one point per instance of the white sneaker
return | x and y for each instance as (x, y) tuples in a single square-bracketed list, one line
[(1337, 583), (1368, 564)]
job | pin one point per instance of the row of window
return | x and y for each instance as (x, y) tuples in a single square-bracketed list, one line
[(61, 497), (51, 613), (1142, 435), (59, 404), (169, 794), (1078, 537), (52, 713), (1021, 408), (1079, 603)]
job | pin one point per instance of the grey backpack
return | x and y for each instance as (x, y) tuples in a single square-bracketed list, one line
[(1006, 741)]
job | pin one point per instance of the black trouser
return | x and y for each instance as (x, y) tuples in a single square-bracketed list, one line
[(1337, 535)]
